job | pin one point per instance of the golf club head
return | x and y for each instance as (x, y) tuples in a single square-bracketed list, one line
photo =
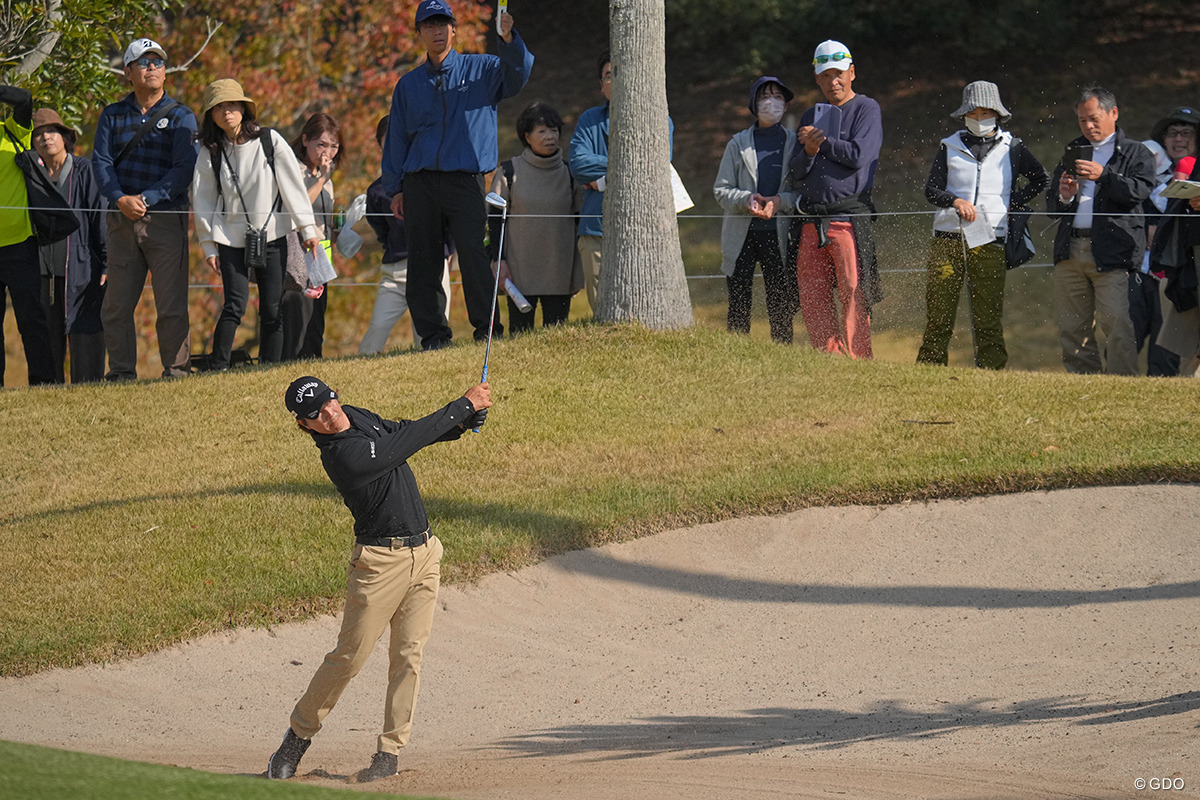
[(496, 200)]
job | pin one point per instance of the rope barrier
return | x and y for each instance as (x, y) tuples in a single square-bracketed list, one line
[(239, 213)]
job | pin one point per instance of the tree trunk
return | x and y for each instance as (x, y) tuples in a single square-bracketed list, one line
[(642, 277), (46, 42)]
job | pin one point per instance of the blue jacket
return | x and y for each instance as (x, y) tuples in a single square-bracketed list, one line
[(445, 120), (589, 161)]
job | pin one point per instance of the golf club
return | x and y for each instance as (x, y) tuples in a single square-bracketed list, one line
[(496, 201)]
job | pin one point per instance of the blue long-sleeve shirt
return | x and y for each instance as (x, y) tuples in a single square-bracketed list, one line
[(845, 166), (589, 162), (159, 167), (445, 119)]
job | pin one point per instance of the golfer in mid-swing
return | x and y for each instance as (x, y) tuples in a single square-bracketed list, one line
[(394, 567)]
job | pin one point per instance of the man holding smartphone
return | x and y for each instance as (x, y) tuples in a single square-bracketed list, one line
[(833, 172), (1101, 236)]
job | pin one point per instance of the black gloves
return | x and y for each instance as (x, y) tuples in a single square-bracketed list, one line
[(478, 419)]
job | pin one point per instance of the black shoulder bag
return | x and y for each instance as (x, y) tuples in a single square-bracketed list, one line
[(50, 213), (1018, 244)]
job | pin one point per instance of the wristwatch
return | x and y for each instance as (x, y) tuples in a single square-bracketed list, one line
[(145, 202)]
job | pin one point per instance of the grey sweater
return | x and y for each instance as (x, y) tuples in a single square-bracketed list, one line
[(540, 248)]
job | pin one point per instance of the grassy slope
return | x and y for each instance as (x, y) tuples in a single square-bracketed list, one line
[(139, 515), (40, 773)]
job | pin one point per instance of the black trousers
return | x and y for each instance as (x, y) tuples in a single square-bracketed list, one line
[(87, 349), (21, 275), (235, 278), (783, 299), (555, 310), (437, 204), (304, 325), (1145, 309)]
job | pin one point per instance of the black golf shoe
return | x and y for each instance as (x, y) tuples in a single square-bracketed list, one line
[(383, 765), (286, 759)]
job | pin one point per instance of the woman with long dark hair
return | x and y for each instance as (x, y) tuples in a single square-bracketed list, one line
[(318, 148), (247, 197)]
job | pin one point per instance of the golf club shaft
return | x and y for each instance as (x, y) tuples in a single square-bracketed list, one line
[(487, 352)]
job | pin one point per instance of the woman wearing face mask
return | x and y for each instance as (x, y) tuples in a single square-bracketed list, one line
[(973, 182), (539, 246), (753, 188)]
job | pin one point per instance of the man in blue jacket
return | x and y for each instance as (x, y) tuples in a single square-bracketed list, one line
[(441, 140), (589, 166)]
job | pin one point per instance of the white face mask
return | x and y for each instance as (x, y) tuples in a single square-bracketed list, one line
[(770, 110), (981, 127)]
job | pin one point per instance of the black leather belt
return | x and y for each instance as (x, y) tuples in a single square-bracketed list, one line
[(395, 542), (1081, 233)]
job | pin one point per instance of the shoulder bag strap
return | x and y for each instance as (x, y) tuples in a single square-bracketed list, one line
[(237, 186), (142, 131), (268, 147)]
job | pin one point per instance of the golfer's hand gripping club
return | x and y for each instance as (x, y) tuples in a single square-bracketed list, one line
[(480, 397)]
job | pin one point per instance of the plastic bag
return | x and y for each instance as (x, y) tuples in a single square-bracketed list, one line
[(320, 270), (348, 241)]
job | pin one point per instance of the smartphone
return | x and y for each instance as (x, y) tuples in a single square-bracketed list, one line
[(1076, 152)]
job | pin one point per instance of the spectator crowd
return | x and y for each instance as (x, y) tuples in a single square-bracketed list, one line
[(80, 236)]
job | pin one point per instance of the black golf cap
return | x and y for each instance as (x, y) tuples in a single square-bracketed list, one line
[(306, 396)]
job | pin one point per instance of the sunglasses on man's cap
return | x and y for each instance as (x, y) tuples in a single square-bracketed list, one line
[(819, 60)]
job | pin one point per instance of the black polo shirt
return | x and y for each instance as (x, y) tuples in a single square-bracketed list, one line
[(368, 463)]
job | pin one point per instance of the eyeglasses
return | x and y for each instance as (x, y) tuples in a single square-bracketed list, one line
[(819, 60), (606, 77), (147, 63), (1180, 133)]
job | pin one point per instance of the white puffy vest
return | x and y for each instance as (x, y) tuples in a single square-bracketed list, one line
[(987, 184)]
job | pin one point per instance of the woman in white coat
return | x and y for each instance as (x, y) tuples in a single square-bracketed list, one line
[(753, 188), (245, 194)]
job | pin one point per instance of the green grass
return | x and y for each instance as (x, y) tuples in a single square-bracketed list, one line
[(139, 515), (40, 773)]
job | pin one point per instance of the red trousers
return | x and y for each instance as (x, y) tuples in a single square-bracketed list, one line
[(820, 271)]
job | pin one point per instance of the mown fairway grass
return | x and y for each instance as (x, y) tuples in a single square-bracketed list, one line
[(39, 773), (138, 515)]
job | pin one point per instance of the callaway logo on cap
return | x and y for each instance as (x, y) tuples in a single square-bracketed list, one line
[(306, 396)]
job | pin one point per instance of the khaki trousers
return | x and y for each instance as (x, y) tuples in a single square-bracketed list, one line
[(589, 253), (1086, 294), (157, 243), (385, 588)]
